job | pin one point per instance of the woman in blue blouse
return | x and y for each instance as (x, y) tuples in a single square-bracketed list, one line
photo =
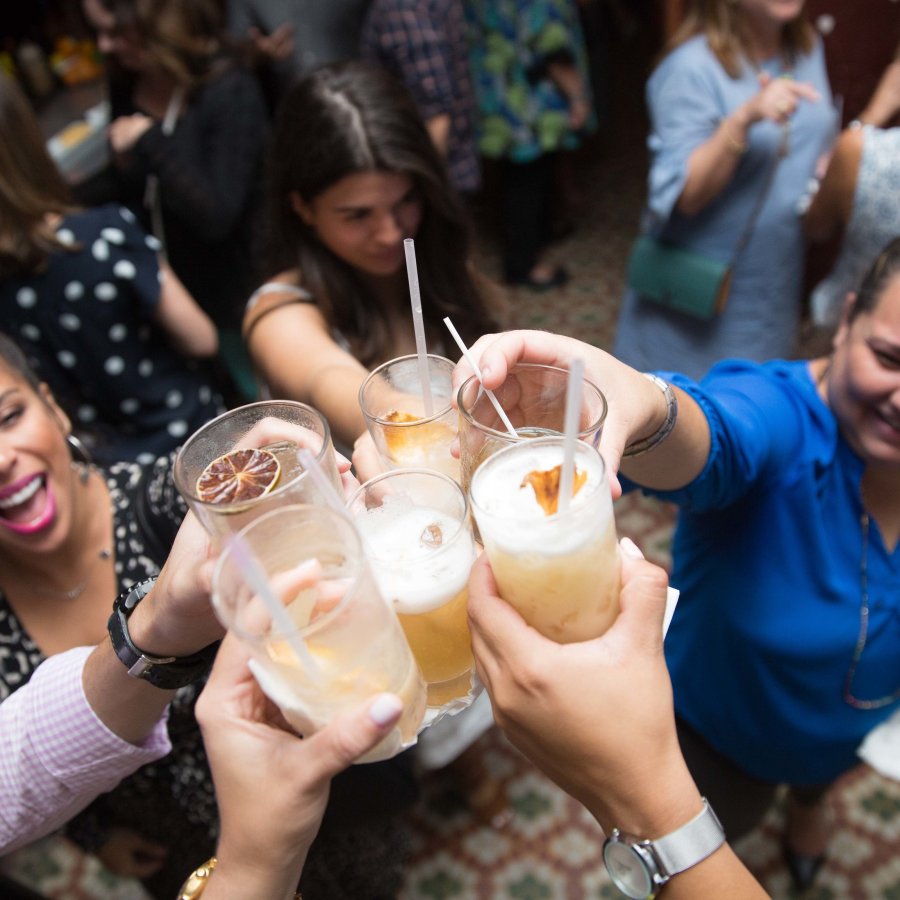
[(785, 647), (742, 81)]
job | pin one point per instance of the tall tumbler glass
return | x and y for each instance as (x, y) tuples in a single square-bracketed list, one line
[(534, 398), (339, 642), (226, 492), (417, 533), (560, 570), (392, 401)]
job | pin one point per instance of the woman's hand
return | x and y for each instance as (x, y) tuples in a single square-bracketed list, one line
[(131, 855), (778, 99), (636, 408), (612, 746), (126, 131), (272, 786)]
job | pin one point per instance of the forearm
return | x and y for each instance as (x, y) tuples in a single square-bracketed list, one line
[(651, 805), (128, 706), (567, 78), (236, 879), (679, 458), (713, 164)]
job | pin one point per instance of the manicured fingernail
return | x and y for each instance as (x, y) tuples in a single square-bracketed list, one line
[(486, 371), (386, 709), (630, 548)]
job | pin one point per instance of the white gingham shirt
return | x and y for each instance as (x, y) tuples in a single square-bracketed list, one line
[(56, 755)]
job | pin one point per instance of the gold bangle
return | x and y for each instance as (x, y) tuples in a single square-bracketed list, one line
[(195, 885), (739, 147)]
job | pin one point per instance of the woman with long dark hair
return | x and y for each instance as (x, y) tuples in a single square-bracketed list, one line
[(352, 173)]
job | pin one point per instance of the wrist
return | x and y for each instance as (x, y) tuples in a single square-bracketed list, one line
[(159, 630), (651, 803), (261, 874)]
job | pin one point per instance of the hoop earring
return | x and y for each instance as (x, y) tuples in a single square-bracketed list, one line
[(81, 456)]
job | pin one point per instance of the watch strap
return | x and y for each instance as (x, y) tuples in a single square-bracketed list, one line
[(165, 672), (691, 843)]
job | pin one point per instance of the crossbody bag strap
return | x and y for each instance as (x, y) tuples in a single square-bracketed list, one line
[(761, 197)]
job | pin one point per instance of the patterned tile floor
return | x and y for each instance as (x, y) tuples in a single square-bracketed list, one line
[(550, 849)]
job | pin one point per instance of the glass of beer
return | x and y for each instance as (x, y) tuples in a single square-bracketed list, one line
[(334, 642), (392, 401), (245, 462), (560, 570), (534, 398), (415, 527)]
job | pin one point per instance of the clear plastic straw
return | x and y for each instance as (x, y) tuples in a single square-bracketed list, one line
[(326, 488), (570, 432), (490, 394), (412, 273), (255, 577)]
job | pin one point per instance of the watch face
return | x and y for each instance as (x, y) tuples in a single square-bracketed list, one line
[(627, 870)]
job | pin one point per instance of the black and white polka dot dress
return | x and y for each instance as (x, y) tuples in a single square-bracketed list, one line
[(86, 323), (170, 801)]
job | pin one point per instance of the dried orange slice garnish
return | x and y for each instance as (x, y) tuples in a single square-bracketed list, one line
[(546, 486), (238, 476)]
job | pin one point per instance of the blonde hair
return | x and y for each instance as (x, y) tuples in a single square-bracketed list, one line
[(31, 187), (720, 22)]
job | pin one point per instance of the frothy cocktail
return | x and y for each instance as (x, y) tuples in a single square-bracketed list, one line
[(560, 570)]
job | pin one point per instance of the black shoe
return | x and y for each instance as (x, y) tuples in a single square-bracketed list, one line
[(558, 278), (803, 869)]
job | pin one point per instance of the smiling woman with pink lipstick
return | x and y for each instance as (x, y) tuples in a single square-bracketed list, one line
[(72, 538), (352, 173)]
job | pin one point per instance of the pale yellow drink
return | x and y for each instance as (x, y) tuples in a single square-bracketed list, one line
[(560, 571), (420, 546), (299, 592)]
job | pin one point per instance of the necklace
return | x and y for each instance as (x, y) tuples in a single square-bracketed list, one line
[(863, 630), (73, 593)]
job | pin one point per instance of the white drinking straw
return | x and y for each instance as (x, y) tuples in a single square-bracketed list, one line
[(570, 433), (326, 488), (412, 273), (255, 577), (490, 394)]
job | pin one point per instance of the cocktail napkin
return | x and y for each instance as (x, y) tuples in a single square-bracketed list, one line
[(881, 748)]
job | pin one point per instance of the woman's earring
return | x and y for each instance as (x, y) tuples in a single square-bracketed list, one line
[(81, 456)]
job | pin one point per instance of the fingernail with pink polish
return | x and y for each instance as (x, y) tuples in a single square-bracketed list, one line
[(385, 709)]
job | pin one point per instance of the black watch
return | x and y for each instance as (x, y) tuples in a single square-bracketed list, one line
[(166, 672)]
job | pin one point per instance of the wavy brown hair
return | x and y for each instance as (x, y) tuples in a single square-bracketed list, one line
[(720, 22), (339, 121), (182, 37), (31, 188)]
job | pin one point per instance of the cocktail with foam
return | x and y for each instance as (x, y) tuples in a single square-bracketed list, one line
[(415, 527), (560, 570)]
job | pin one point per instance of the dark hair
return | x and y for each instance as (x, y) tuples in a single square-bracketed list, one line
[(884, 269), (338, 121), (183, 37), (720, 22), (14, 359), (30, 187)]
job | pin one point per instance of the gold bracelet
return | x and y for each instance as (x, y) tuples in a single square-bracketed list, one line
[(195, 885), (739, 147)]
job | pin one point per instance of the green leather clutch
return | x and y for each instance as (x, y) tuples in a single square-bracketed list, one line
[(677, 278)]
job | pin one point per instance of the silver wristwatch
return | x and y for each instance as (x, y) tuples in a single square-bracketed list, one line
[(639, 868)]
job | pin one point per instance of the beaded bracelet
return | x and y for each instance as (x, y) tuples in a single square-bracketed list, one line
[(648, 443)]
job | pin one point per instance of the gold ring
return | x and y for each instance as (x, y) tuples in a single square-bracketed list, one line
[(782, 108)]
